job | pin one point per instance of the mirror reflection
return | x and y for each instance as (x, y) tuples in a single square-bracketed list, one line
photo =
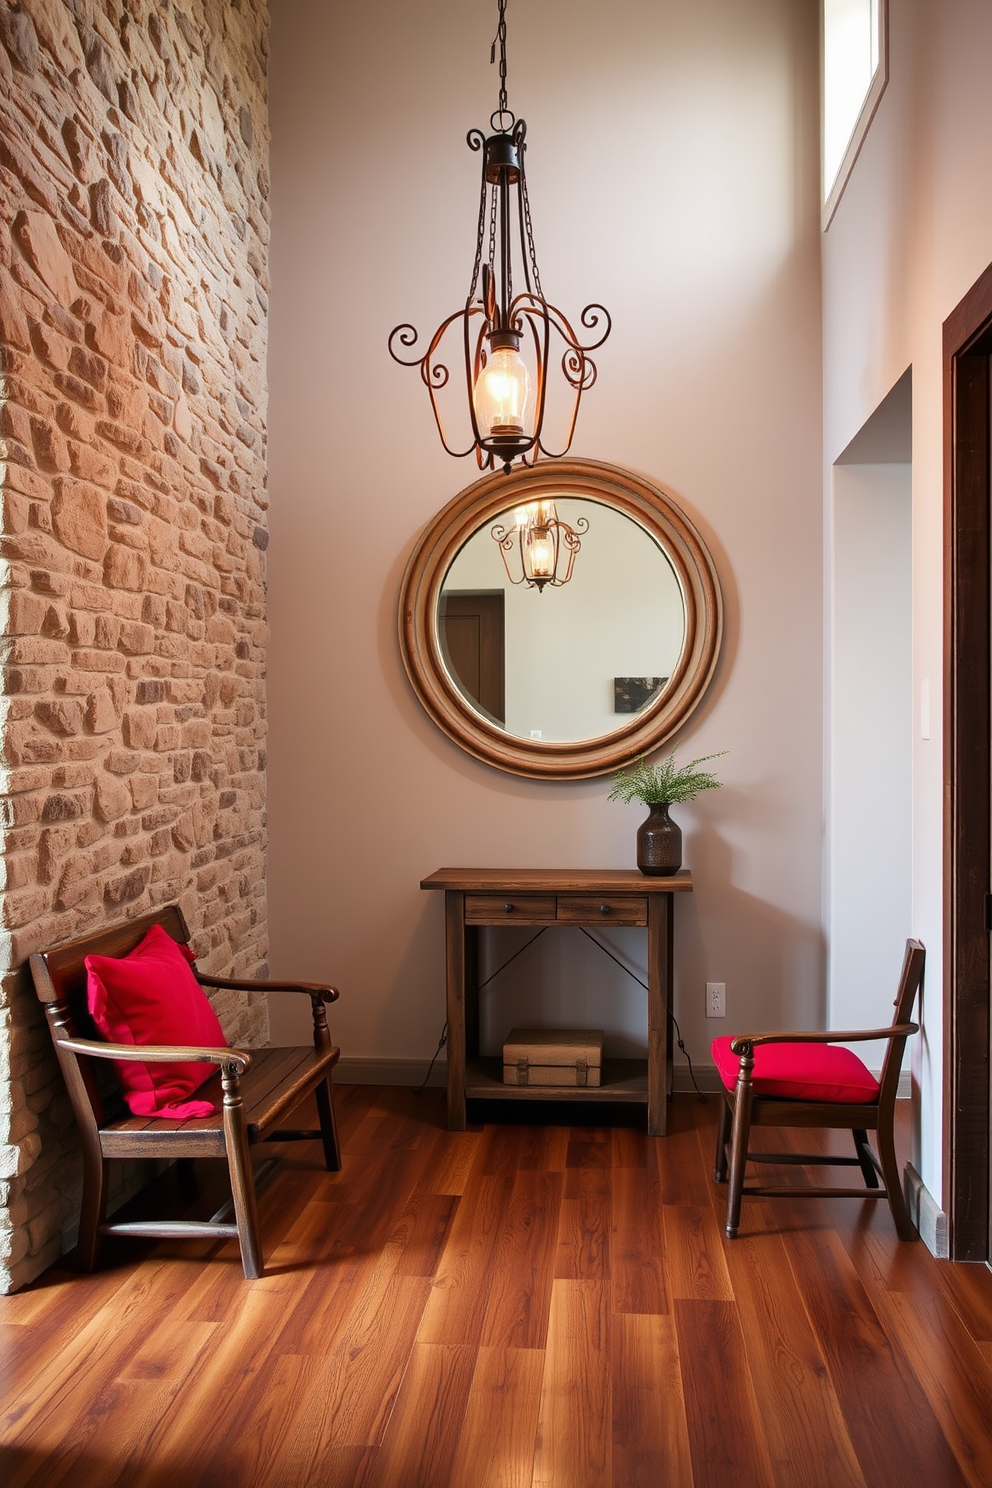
[(561, 620)]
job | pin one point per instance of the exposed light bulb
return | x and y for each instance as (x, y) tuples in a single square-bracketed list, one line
[(542, 555), (501, 393)]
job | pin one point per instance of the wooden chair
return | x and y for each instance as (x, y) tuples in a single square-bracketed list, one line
[(751, 1102), (253, 1092)]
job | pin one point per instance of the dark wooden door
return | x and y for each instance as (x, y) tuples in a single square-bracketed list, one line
[(472, 640), (968, 771)]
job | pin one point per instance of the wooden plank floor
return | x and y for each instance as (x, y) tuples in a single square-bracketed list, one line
[(513, 1306)]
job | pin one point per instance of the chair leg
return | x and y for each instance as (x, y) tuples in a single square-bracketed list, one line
[(328, 1126), (864, 1158), (722, 1138), (905, 1228), (739, 1137), (242, 1178), (93, 1211)]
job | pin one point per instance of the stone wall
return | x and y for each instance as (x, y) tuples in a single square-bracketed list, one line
[(133, 279)]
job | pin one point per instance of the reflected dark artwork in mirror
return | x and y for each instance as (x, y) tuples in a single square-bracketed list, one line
[(631, 694), (568, 680)]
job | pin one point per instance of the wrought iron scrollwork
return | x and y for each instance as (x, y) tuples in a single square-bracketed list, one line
[(495, 320)]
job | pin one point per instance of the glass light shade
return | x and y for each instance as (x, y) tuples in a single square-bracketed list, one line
[(501, 393), (542, 553)]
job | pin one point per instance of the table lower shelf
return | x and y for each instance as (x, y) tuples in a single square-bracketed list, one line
[(623, 1080)]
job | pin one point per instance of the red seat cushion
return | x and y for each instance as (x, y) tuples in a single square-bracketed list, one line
[(813, 1072), (152, 997)]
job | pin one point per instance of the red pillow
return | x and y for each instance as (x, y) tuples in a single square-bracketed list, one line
[(151, 997), (813, 1072)]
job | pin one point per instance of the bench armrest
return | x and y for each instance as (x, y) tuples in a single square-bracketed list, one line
[(314, 990), (237, 1059)]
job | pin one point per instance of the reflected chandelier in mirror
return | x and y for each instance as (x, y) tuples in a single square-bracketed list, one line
[(598, 657)]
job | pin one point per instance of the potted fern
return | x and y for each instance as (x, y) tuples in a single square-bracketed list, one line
[(659, 786)]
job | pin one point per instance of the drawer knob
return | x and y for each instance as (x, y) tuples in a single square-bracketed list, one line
[(507, 908), (604, 909)]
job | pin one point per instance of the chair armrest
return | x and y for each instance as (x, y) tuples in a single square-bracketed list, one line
[(240, 1059), (742, 1043), (237, 984)]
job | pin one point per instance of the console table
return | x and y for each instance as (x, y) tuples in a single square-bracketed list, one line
[(475, 897)]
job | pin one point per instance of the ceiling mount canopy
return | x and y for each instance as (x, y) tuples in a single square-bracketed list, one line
[(513, 340)]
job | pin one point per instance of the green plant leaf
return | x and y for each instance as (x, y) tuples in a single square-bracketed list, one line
[(665, 781)]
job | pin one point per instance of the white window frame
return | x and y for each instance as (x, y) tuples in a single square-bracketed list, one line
[(832, 191)]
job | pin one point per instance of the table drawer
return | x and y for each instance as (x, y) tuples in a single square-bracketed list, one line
[(526, 909), (608, 909)]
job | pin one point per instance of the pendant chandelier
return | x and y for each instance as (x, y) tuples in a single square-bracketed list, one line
[(508, 340), (540, 548)]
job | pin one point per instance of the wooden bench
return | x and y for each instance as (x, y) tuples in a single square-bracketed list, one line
[(252, 1091)]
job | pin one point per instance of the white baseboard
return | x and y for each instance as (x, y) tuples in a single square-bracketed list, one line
[(926, 1213)]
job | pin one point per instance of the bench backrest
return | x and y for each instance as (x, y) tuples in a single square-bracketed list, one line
[(59, 977)]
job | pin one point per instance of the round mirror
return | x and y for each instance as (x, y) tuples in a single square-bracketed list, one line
[(560, 621)]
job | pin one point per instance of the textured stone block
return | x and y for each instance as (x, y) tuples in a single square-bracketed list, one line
[(61, 715), (112, 798), (124, 568), (101, 714), (64, 807), (79, 517), (38, 239), (13, 318), (54, 29), (19, 37), (126, 887)]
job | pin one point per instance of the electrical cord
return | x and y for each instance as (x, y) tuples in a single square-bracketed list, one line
[(418, 1089), (703, 1099), (641, 983)]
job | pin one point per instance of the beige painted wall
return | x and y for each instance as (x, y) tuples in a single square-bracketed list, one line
[(673, 171), (911, 235)]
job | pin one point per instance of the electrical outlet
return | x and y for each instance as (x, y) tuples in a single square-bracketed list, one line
[(716, 999)]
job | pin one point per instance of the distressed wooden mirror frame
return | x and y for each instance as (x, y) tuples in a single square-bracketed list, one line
[(480, 504)]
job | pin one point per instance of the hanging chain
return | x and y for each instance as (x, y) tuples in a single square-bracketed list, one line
[(500, 41), (492, 232), (478, 240), (529, 228)]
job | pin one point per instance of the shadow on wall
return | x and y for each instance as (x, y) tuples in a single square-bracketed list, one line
[(777, 961), (773, 962)]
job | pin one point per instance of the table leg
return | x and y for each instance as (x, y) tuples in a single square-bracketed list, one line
[(454, 942), (660, 923)]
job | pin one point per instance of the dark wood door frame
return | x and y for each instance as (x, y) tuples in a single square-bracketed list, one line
[(967, 765), (472, 633)]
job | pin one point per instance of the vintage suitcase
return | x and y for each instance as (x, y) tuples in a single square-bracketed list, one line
[(553, 1056)]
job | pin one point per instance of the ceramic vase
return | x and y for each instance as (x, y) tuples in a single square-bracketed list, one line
[(659, 842)]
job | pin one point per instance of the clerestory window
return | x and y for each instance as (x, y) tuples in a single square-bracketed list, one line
[(854, 52)]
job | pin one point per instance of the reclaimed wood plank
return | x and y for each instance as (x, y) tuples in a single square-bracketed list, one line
[(574, 1425), (496, 1445), (723, 1416), (520, 1284), (650, 1438)]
